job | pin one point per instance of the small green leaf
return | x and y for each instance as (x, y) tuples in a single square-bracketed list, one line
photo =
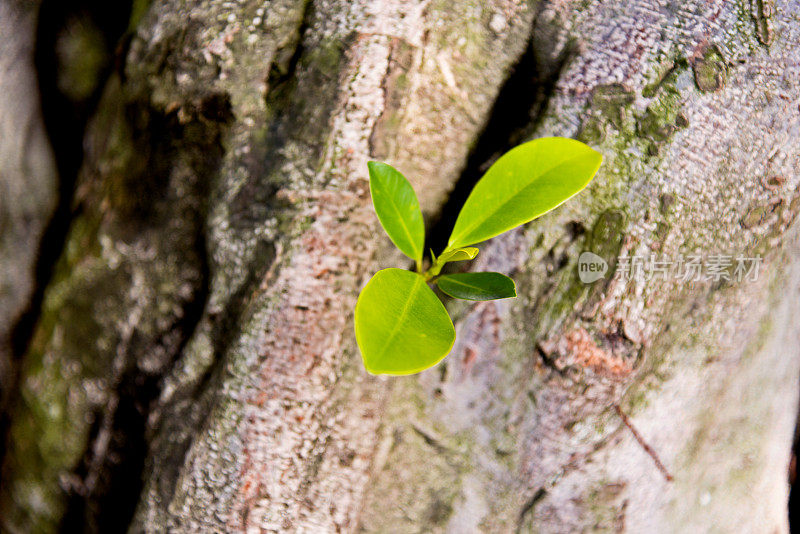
[(401, 326), (525, 183), (459, 254), (398, 209), (477, 286)]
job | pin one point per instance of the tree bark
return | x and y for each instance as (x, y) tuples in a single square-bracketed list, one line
[(193, 365), (27, 181)]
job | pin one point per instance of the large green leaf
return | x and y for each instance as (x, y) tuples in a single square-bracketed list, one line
[(526, 182), (398, 208), (401, 326), (477, 286)]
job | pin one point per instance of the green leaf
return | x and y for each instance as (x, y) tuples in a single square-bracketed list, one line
[(459, 254), (401, 326), (526, 182), (397, 208), (477, 286)]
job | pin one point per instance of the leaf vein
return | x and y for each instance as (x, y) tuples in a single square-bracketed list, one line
[(402, 220)]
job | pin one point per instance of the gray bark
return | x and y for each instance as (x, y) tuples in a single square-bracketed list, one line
[(203, 302)]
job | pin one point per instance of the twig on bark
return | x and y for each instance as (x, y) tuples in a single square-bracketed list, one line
[(647, 448)]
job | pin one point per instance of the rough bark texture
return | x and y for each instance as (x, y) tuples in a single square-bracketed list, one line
[(193, 367), (28, 188)]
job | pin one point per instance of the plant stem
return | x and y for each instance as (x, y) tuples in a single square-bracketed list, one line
[(434, 269)]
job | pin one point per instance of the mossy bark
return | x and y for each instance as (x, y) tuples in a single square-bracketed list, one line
[(194, 368)]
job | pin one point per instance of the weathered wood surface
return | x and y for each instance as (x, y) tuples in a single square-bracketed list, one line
[(204, 300)]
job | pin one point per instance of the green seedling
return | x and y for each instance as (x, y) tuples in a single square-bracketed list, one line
[(401, 325)]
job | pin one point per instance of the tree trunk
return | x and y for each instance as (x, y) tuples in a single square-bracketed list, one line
[(27, 182), (193, 365)]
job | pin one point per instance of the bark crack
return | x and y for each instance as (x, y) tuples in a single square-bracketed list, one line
[(517, 111), (287, 58)]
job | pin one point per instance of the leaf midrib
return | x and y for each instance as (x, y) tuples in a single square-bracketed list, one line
[(393, 334), (477, 288), (402, 220)]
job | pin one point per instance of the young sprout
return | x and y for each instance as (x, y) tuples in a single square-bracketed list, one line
[(401, 325)]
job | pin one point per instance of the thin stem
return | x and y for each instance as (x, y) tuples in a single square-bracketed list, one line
[(435, 268), (437, 262)]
